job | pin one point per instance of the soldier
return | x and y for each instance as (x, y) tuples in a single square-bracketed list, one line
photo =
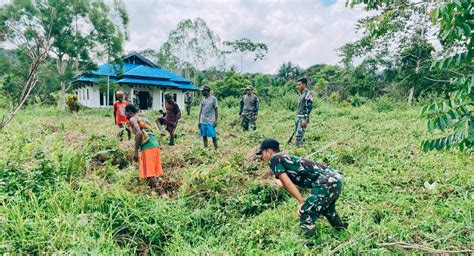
[(208, 117), (325, 183), (188, 101), (249, 109), (305, 105)]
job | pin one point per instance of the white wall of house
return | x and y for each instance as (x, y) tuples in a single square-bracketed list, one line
[(90, 95)]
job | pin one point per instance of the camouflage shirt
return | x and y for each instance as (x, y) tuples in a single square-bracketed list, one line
[(303, 172), (188, 98), (249, 104), (305, 104)]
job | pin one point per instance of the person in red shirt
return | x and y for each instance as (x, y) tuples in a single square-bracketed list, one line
[(121, 119)]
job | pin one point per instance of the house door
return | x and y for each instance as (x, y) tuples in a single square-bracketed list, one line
[(144, 99)]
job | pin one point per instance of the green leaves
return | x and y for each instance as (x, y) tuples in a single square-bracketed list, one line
[(191, 45), (454, 116)]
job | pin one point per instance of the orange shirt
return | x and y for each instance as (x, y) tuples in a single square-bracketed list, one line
[(119, 110)]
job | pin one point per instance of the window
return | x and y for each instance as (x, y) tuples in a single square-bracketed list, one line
[(102, 98), (111, 98)]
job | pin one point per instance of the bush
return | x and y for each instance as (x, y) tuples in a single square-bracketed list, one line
[(232, 85), (335, 97), (383, 104), (357, 101), (72, 103)]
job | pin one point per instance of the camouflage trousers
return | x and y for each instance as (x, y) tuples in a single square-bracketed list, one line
[(188, 109), (299, 131), (248, 121), (322, 201)]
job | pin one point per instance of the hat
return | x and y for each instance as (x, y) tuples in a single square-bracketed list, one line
[(249, 87), (268, 143), (205, 88)]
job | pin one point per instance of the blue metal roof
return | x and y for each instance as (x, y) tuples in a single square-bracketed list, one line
[(112, 70), (139, 74), (86, 79), (189, 87), (144, 71), (146, 82), (175, 77)]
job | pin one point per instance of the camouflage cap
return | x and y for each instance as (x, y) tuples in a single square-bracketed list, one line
[(249, 87)]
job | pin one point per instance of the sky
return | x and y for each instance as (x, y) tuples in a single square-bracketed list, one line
[(301, 31), (304, 32)]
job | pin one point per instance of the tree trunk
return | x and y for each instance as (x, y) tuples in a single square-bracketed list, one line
[(62, 98), (30, 84), (410, 95), (61, 66)]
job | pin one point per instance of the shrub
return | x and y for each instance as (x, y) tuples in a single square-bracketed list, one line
[(383, 104), (335, 97), (357, 101), (72, 103)]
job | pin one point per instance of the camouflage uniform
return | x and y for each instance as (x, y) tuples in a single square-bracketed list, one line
[(188, 101), (305, 105), (325, 183), (249, 106)]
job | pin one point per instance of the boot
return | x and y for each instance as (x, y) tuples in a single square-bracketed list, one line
[(337, 223), (171, 140)]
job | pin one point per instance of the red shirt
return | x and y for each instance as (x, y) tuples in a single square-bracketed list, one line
[(119, 110)]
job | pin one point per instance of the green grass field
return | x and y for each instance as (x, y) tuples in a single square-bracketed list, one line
[(68, 186)]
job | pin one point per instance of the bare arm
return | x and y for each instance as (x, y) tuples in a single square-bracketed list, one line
[(217, 115), (158, 124), (138, 136), (199, 116)]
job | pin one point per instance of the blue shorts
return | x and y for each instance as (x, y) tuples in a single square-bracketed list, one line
[(207, 130)]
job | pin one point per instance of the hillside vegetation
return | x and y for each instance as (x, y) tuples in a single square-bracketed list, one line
[(67, 185)]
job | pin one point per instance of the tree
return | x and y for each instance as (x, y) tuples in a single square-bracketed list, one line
[(455, 22), (288, 72), (415, 61), (75, 45), (190, 46), (44, 27), (243, 46), (233, 85), (29, 26)]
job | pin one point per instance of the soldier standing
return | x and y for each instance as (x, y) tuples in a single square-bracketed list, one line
[(249, 105), (188, 101), (325, 183), (305, 105)]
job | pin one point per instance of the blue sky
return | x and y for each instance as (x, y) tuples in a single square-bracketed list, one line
[(328, 2), (301, 31)]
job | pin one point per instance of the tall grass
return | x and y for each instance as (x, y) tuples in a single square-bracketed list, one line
[(68, 186)]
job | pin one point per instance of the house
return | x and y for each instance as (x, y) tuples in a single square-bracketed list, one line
[(144, 84)]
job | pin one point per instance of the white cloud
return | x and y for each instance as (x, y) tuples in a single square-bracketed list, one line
[(303, 32)]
